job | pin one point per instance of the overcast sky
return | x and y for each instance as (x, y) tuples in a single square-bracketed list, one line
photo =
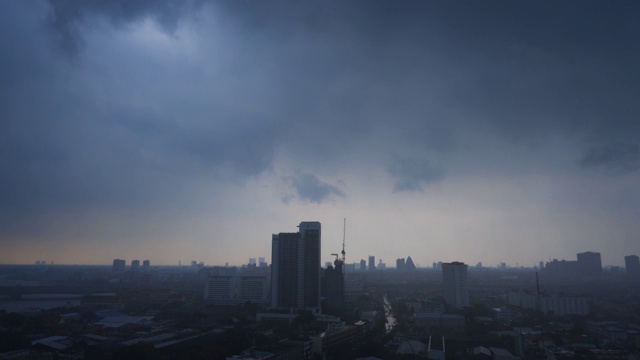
[(189, 130)]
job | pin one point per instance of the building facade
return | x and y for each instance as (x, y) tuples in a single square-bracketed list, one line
[(232, 286), (454, 284), (589, 263), (295, 268), (119, 265), (632, 266)]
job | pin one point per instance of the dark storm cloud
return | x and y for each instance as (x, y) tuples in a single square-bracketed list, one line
[(618, 156), (318, 81), (413, 173), (69, 18), (309, 188)]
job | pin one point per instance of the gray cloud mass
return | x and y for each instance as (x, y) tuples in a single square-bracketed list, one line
[(309, 188), (149, 104)]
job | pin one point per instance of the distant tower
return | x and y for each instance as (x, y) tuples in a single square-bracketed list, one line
[(146, 264), (363, 265), (454, 284), (135, 265), (119, 265), (400, 264), (409, 265), (295, 268), (372, 262), (589, 263), (632, 265)]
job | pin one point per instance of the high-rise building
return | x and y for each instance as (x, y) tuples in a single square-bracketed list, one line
[(119, 265), (632, 265), (372, 263), (363, 265), (589, 263), (400, 264), (146, 264), (454, 284), (333, 290), (409, 265), (135, 265), (295, 268)]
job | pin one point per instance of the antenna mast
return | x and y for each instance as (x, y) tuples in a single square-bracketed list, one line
[(344, 234)]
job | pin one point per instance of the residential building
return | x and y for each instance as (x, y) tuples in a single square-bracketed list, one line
[(454, 284)]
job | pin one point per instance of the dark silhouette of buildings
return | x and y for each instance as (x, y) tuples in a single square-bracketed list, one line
[(334, 285), (363, 265), (146, 264), (295, 268), (135, 265), (409, 265), (589, 263), (119, 265), (405, 265), (372, 263), (632, 265)]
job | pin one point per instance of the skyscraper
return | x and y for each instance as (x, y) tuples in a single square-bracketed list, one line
[(372, 263), (135, 265), (295, 268), (454, 284)]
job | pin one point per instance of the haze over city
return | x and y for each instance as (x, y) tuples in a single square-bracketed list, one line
[(194, 130)]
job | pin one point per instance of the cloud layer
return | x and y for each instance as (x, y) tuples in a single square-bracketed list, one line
[(147, 106)]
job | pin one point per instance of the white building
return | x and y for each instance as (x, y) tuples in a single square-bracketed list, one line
[(559, 305), (230, 286)]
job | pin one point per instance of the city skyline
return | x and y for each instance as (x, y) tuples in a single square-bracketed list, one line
[(178, 130)]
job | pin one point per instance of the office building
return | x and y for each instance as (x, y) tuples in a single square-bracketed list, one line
[(372, 263), (295, 268), (135, 265), (400, 264), (146, 264), (589, 263), (454, 284), (363, 265)]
